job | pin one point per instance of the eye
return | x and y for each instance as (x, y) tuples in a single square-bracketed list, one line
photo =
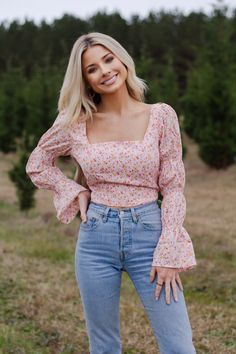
[(91, 70), (109, 59)]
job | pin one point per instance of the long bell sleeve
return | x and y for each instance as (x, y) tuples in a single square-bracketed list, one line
[(174, 248), (44, 173)]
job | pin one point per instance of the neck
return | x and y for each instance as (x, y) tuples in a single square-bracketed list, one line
[(117, 102)]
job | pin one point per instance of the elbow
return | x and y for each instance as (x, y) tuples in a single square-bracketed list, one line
[(174, 186), (30, 171), (33, 177), (35, 164), (33, 173), (171, 191), (172, 183)]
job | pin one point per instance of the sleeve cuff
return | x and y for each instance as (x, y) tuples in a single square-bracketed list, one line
[(175, 254), (67, 203)]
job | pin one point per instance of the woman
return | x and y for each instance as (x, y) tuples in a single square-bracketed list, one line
[(127, 151)]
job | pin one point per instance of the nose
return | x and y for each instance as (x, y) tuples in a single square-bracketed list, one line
[(105, 71)]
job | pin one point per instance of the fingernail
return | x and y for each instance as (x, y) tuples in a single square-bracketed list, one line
[(156, 297)]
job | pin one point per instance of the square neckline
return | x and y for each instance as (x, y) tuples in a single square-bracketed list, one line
[(123, 141)]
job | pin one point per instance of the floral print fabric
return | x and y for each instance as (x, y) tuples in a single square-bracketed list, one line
[(45, 174), (126, 173), (175, 248)]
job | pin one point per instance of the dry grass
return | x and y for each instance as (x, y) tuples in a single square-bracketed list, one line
[(40, 307)]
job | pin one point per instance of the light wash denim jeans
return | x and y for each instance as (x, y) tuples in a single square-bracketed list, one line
[(113, 241)]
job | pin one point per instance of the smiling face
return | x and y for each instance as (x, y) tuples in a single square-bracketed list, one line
[(102, 70)]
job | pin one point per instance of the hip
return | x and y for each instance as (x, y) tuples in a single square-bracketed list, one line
[(105, 221)]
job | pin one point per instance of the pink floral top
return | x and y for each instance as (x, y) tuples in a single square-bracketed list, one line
[(122, 173)]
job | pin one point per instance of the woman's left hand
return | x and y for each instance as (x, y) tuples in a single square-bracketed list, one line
[(167, 276)]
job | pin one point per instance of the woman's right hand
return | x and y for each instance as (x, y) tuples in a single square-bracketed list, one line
[(84, 199)]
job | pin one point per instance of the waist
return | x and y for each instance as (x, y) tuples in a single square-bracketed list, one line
[(122, 196), (119, 206), (138, 208)]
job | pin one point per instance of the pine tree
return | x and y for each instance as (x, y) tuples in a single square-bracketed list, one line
[(209, 102)]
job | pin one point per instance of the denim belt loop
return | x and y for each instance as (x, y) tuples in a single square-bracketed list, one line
[(105, 214), (134, 215)]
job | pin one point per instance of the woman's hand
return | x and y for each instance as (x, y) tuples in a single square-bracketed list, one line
[(167, 277), (84, 198)]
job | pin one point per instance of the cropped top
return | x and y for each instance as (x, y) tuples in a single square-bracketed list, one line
[(122, 173)]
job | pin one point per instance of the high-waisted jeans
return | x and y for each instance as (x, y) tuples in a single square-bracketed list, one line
[(115, 240)]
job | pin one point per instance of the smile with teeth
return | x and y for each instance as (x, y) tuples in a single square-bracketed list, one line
[(110, 81)]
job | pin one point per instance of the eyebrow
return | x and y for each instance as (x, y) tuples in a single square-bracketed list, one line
[(101, 58)]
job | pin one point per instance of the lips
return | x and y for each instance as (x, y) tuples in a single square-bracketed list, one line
[(109, 80)]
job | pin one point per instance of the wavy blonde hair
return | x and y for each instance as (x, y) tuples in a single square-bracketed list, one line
[(76, 100)]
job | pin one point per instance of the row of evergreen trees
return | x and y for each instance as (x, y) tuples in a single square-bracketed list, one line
[(187, 61), (209, 102)]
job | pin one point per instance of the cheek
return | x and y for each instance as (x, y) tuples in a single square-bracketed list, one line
[(124, 74), (93, 79), (123, 71), (87, 80), (118, 65)]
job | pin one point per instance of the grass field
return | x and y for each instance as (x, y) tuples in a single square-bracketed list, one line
[(40, 306)]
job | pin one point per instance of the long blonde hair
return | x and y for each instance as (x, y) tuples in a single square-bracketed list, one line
[(76, 100)]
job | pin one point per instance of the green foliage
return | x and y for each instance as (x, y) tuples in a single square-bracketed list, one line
[(209, 102), (186, 60), (217, 150), (13, 109), (24, 187), (41, 98)]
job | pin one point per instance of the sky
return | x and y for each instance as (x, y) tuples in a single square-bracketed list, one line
[(49, 10)]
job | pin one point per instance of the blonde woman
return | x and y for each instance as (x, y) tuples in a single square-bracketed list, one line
[(127, 151)]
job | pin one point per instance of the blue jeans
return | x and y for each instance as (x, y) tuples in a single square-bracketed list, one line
[(113, 241)]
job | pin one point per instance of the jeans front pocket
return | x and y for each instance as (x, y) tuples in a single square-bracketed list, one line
[(151, 221), (93, 220)]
